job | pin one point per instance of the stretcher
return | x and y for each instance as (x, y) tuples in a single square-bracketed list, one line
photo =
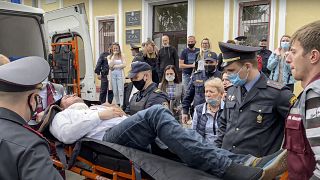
[(96, 159)]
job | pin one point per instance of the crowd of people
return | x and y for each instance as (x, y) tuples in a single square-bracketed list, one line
[(246, 121)]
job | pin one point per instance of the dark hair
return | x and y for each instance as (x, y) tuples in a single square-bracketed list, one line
[(164, 82), (264, 39)]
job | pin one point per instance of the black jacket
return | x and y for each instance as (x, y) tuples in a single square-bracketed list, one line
[(24, 153), (265, 53), (168, 56), (102, 67), (256, 125)]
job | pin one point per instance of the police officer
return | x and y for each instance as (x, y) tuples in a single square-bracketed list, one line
[(148, 93), (24, 152), (195, 90), (255, 108), (137, 55), (102, 70)]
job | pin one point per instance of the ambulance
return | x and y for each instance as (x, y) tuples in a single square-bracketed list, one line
[(60, 36)]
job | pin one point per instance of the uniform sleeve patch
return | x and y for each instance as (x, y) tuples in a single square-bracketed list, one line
[(292, 100), (157, 90)]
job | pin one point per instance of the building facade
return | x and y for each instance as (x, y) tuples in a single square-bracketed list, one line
[(133, 21)]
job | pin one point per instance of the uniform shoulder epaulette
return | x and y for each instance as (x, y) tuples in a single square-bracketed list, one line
[(157, 91), (275, 84)]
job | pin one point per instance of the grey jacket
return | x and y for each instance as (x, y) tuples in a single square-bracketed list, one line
[(24, 153)]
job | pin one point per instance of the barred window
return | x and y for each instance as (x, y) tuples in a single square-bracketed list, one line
[(254, 21)]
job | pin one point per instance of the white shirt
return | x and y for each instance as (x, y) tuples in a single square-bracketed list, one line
[(79, 120)]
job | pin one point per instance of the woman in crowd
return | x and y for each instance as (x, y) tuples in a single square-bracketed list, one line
[(226, 84), (171, 85), (206, 115), (205, 47), (150, 56), (280, 69), (117, 63)]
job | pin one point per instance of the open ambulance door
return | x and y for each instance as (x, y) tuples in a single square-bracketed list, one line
[(71, 57)]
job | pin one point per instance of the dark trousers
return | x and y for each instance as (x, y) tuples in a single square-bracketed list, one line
[(103, 90), (110, 96)]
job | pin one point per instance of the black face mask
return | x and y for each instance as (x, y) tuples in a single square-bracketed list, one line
[(139, 84), (210, 69), (191, 45), (263, 47)]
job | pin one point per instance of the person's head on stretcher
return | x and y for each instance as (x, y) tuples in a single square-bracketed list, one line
[(111, 110)]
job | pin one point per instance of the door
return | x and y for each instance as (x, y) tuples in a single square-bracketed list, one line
[(21, 32), (71, 22)]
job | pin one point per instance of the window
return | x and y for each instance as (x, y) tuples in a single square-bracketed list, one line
[(21, 36), (170, 17), (50, 1), (254, 21), (106, 34), (171, 20)]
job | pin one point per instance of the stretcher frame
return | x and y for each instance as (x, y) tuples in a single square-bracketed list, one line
[(97, 170)]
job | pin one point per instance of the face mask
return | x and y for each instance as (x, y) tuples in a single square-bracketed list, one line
[(212, 102), (236, 80), (191, 45), (139, 84), (285, 45), (32, 112), (205, 50), (210, 69), (263, 47), (170, 78)]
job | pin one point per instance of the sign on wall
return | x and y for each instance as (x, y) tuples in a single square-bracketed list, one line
[(133, 36), (133, 18)]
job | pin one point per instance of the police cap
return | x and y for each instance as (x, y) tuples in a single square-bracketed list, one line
[(210, 56), (134, 46), (233, 52), (137, 67), (24, 74)]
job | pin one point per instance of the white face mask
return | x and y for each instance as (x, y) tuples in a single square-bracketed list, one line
[(170, 78)]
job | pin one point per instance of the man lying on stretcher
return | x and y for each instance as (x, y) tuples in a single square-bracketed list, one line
[(109, 123)]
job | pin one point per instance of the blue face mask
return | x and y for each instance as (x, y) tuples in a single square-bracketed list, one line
[(212, 102), (285, 45), (236, 80)]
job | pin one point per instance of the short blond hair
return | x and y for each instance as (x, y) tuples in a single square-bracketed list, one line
[(215, 82)]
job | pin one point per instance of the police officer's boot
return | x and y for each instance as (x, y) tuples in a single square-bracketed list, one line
[(241, 172)]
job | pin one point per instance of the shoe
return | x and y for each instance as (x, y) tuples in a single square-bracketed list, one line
[(241, 172), (273, 165)]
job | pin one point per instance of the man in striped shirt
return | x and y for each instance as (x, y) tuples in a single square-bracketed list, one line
[(303, 122)]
